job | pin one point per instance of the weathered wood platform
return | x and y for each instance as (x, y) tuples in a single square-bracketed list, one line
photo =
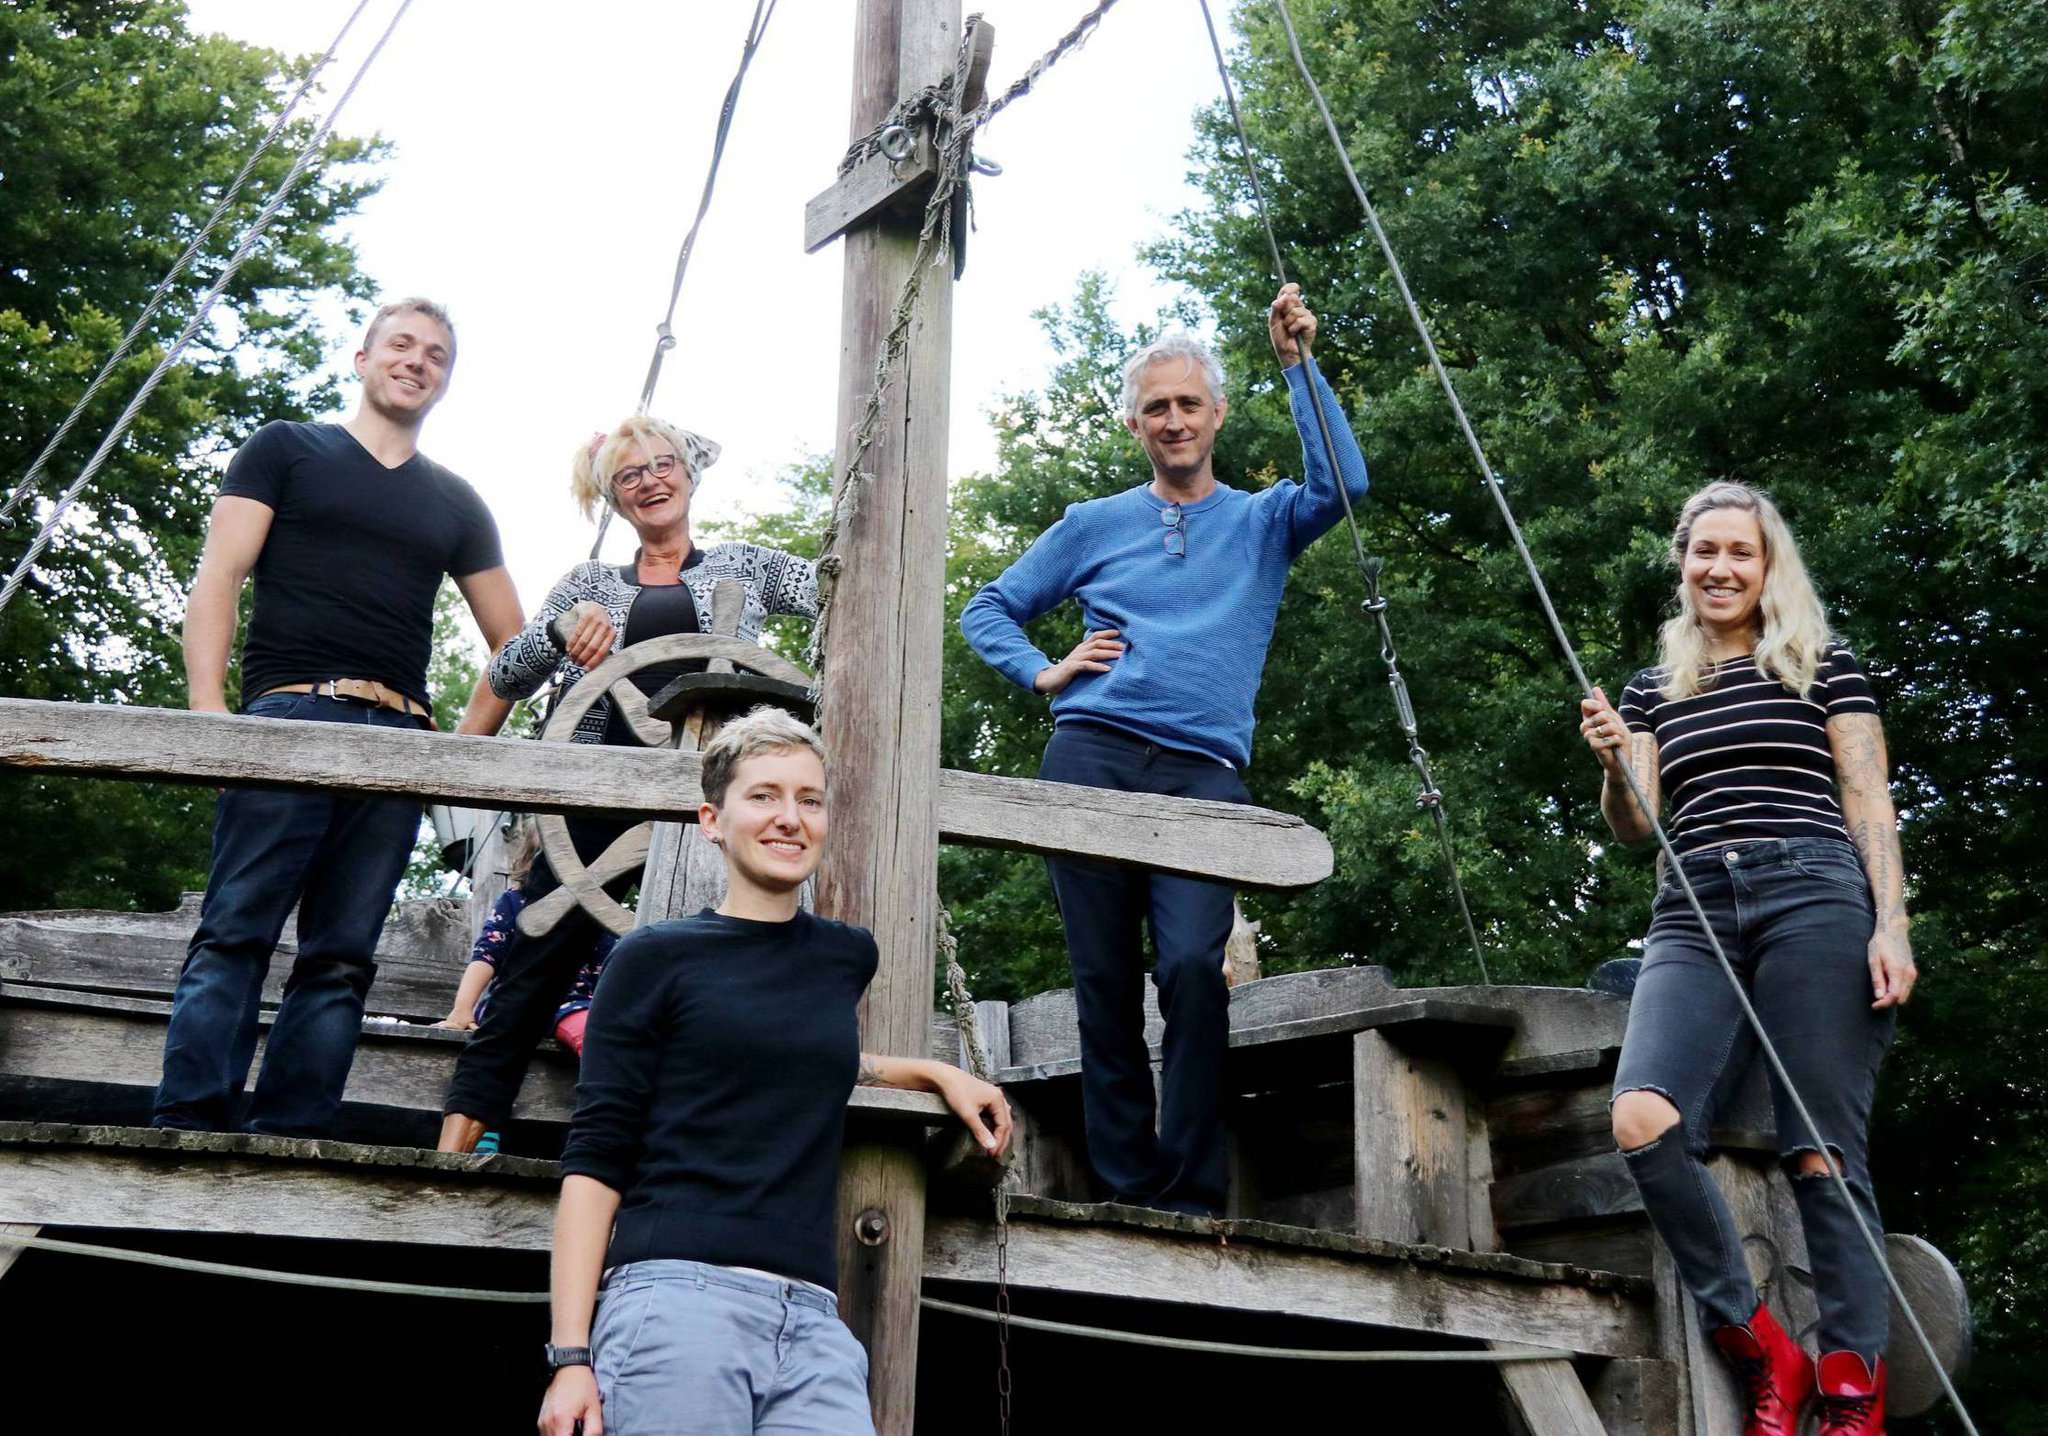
[(1147, 1255)]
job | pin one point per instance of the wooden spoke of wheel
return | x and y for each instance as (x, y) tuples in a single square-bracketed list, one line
[(584, 886)]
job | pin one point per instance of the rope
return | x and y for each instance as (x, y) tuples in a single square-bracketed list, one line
[(1557, 629), (258, 1273), (163, 289), (1235, 1348), (934, 243), (538, 1298), (264, 216), (1430, 798), (664, 332), (963, 1000)]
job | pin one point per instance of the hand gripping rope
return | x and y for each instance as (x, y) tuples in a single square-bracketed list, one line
[(1585, 684), (1431, 798), (164, 366)]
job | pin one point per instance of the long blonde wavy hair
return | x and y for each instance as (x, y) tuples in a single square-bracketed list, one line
[(600, 456), (1794, 639)]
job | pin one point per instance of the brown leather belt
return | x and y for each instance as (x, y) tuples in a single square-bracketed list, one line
[(362, 690)]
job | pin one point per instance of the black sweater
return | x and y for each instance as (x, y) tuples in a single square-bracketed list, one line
[(716, 1067)]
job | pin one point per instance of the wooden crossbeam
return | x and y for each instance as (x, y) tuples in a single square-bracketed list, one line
[(1143, 1255), (91, 1039), (1251, 847)]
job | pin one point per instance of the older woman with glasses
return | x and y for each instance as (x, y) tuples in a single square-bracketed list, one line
[(646, 469)]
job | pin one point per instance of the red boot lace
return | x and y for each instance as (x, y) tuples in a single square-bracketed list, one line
[(1846, 1413)]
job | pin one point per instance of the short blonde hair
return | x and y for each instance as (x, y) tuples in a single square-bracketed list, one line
[(601, 456), (766, 729), (414, 304)]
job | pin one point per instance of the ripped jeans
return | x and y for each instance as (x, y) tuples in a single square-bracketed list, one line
[(1795, 917)]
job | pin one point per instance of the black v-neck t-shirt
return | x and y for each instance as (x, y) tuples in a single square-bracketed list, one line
[(346, 580)]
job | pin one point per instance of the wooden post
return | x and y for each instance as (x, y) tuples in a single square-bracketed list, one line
[(881, 682)]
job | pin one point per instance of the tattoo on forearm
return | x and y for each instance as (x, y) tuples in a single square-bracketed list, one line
[(870, 1072), (1867, 809)]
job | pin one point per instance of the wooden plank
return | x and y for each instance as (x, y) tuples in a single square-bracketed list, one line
[(116, 1041), (874, 185), (1548, 1397), (1410, 1144), (9, 1253), (1578, 1190), (218, 1183), (1228, 842), (1233, 842), (1257, 1267), (1257, 1050), (1635, 1398), (1045, 1028), (419, 961)]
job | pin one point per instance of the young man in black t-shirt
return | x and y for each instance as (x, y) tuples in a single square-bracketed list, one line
[(347, 529)]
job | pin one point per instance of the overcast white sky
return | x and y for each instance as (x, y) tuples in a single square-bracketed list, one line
[(548, 157)]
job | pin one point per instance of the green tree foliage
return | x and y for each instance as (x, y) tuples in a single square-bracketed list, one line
[(119, 131)]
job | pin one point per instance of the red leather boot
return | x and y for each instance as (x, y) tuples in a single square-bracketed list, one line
[(1851, 1396), (1776, 1376)]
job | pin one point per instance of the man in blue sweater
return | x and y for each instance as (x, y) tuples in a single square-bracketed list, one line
[(1179, 582)]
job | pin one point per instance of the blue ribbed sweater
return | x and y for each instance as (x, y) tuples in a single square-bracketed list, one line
[(1196, 627)]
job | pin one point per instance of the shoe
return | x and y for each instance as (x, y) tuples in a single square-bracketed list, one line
[(1776, 1376), (1851, 1396)]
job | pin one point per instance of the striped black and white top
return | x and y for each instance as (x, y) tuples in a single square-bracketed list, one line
[(1746, 758)]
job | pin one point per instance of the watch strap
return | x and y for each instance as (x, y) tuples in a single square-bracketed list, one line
[(561, 1356)]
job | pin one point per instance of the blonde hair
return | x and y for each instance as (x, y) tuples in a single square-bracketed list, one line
[(413, 304), (597, 459), (526, 847), (766, 729), (1794, 636)]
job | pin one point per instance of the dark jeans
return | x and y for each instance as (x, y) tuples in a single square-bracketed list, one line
[(1182, 1167), (339, 859), (1794, 916), (534, 974)]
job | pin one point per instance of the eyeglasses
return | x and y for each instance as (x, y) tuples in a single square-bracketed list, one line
[(660, 466), (1176, 536)]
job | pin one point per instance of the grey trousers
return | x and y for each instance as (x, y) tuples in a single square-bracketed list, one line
[(683, 1348)]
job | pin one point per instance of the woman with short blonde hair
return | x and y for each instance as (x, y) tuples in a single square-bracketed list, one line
[(1761, 733)]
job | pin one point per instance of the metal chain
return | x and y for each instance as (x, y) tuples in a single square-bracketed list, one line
[(1002, 1314), (1430, 798), (163, 289), (114, 436), (934, 241), (1635, 788), (664, 332)]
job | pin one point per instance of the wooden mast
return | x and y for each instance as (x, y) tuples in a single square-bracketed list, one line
[(882, 679)]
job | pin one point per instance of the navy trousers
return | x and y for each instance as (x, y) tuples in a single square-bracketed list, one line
[(1180, 1166), (339, 859)]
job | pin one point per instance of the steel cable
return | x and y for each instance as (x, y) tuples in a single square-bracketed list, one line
[(264, 216), (1431, 798), (163, 289), (1636, 792)]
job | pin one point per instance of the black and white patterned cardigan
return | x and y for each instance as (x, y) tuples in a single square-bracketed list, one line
[(776, 582)]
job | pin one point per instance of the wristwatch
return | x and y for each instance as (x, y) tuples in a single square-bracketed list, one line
[(561, 1356)]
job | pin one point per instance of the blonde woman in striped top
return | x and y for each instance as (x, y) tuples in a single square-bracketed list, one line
[(1760, 736)]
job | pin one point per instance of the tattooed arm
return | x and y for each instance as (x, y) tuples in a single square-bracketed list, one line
[(1862, 770), (981, 1105)]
